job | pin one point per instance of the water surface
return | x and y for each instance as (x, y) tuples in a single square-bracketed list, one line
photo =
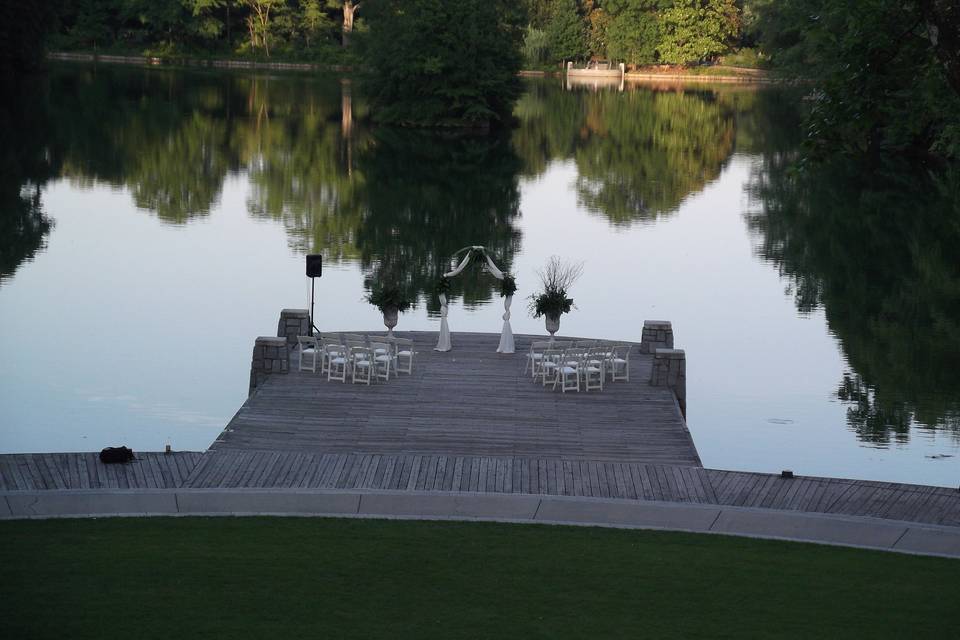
[(155, 221)]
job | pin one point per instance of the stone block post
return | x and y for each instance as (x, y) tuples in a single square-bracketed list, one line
[(657, 334), (670, 370), (293, 323), (270, 356)]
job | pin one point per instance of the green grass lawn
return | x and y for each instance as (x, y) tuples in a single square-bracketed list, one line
[(187, 578)]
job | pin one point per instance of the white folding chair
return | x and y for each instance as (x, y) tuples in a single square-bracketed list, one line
[(337, 362), (382, 360), (309, 351), (568, 373), (535, 357), (329, 347), (361, 364), (550, 366), (619, 362), (592, 368), (403, 349)]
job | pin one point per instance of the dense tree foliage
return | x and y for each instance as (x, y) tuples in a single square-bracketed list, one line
[(633, 33), (886, 72), (566, 32), (444, 62), (697, 30), (302, 29), (627, 30)]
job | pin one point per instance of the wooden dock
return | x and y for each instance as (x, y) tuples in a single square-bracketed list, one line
[(471, 421), (469, 401)]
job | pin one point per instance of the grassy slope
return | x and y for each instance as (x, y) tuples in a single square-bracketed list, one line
[(269, 577)]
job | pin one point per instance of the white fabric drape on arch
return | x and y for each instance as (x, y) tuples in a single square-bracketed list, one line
[(506, 334)]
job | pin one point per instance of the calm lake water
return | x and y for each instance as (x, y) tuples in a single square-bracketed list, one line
[(155, 221)]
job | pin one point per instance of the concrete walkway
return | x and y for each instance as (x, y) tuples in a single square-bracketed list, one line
[(867, 533)]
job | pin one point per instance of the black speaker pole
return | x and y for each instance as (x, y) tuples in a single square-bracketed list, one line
[(314, 270), (312, 281)]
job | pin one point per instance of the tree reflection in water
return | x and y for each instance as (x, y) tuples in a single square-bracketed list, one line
[(638, 153), (876, 247), (26, 164)]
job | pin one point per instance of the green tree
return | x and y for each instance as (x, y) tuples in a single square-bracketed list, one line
[(444, 62), (260, 21), (633, 33), (695, 31), (566, 31), (536, 48), (883, 72), (314, 20), (598, 21)]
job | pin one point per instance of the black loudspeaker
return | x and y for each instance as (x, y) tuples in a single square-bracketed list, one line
[(314, 265)]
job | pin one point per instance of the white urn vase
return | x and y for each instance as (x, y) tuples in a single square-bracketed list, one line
[(553, 323), (390, 317)]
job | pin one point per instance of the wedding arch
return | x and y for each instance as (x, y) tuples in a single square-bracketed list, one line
[(479, 254)]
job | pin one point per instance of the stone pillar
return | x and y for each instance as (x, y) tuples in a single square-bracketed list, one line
[(670, 370), (270, 355), (293, 323), (657, 334)]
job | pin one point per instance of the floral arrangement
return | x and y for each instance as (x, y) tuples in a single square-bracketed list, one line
[(556, 278)]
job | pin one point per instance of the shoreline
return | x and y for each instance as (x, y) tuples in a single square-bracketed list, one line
[(755, 77)]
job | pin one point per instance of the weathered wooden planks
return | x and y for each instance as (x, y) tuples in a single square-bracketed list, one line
[(41, 471), (231, 468), (470, 401), (584, 478)]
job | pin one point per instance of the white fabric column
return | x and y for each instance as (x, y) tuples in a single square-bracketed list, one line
[(443, 342), (506, 336)]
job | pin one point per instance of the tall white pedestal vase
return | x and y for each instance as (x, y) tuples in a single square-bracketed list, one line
[(443, 342), (390, 317), (506, 336), (553, 324)]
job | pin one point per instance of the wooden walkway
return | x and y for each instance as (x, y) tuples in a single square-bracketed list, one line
[(232, 469), (470, 401), (32, 471)]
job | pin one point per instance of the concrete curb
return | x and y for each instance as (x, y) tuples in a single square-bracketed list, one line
[(851, 531)]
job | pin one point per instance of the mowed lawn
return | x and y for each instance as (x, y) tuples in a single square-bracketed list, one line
[(187, 578)]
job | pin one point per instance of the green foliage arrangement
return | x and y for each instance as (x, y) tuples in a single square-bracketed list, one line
[(550, 303), (389, 296), (556, 277), (508, 286), (444, 63)]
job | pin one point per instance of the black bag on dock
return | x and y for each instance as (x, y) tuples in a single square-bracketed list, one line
[(113, 455)]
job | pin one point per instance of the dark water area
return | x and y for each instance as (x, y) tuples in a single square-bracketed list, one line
[(154, 221)]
